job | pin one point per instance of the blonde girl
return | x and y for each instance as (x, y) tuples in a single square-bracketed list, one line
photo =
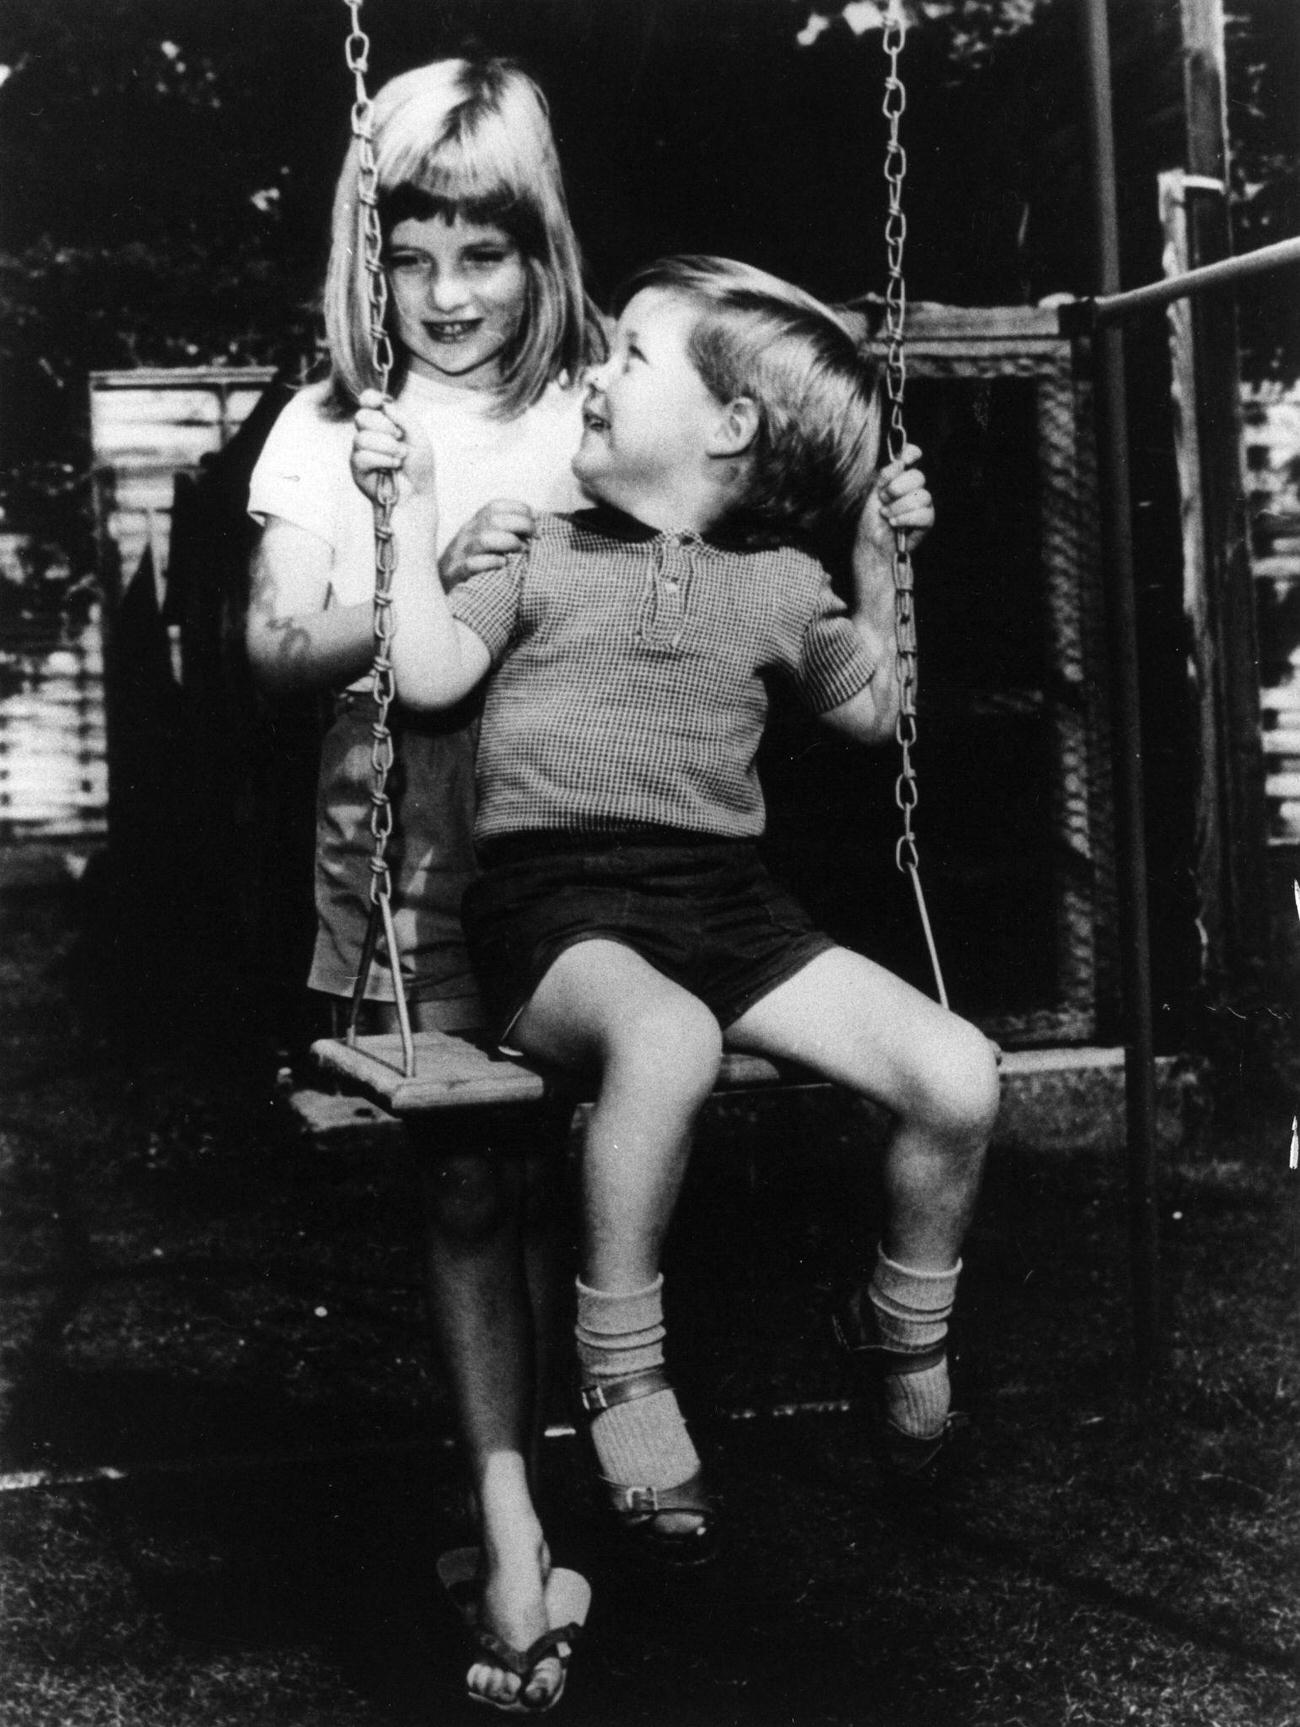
[(490, 328)]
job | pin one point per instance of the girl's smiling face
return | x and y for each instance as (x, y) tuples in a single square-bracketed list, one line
[(459, 293), (648, 416)]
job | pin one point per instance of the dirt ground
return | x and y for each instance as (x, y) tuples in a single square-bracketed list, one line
[(224, 1449)]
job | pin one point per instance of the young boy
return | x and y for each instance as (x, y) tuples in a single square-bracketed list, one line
[(623, 924)]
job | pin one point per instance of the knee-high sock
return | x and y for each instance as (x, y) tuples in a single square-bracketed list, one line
[(642, 1443), (911, 1310)]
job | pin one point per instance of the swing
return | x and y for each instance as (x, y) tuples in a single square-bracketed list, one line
[(411, 1073)]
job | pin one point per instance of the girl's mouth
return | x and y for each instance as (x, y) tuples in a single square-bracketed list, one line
[(452, 330)]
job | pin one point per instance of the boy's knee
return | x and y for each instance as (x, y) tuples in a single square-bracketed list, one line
[(676, 1048), (967, 1094), (468, 1197)]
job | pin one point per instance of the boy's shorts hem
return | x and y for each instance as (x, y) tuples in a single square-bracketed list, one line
[(706, 915), (790, 965)]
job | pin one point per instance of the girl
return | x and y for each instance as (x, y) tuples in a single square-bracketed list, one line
[(490, 327)]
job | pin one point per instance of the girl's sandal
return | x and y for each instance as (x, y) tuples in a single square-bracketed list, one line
[(568, 1599), (640, 1511)]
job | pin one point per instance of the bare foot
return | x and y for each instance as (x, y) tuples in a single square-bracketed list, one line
[(512, 1607)]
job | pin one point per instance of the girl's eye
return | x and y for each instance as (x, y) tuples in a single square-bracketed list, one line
[(486, 260)]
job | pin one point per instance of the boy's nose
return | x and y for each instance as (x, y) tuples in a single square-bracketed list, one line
[(594, 376)]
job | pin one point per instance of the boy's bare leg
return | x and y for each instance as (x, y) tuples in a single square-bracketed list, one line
[(603, 1010), (867, 1030)]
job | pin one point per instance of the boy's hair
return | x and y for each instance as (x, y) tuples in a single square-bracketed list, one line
[(814, 457), (469, 138)]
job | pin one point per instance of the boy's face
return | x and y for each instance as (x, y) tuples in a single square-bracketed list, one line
[(648, 416)]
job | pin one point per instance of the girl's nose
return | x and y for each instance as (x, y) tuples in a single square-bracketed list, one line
[(446, 290)]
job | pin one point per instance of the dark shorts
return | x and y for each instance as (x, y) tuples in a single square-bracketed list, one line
[(704, 912)]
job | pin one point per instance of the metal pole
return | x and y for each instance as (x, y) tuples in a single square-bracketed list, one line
[(1117, 552), (1221, 275)]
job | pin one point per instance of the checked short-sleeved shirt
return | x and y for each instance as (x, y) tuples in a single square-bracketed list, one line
[(630, 669)]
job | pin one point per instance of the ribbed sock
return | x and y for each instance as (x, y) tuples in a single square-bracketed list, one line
[(643, 1443), (911, 1310)]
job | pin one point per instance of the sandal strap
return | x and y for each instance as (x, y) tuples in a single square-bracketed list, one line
[(690, 1495), (604, 1394), (523, 1662), (858, 1338)]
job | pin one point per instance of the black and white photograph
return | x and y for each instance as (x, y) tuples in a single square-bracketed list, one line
[(650, 863)]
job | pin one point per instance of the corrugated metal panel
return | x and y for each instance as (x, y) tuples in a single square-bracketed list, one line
[(146, 426), (53, 771), (150, 424)]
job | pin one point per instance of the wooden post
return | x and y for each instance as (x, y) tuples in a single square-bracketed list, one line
[(1200, 607), (1229, 589)]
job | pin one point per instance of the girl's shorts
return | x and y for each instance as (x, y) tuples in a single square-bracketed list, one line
[(430, 855), (704, 912)]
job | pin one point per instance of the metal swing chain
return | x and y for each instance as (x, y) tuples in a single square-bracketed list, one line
[(383, 690), (906, 788)]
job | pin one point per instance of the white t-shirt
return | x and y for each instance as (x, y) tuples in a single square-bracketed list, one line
[(303, 474)]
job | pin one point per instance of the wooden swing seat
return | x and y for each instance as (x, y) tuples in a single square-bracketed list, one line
[(457, 1073)]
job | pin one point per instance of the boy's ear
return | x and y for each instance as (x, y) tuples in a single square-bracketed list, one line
[(735, 428)]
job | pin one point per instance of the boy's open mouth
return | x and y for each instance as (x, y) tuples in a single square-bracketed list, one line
[(593, 421)]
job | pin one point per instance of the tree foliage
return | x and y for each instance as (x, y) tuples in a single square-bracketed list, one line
[(169, 163)]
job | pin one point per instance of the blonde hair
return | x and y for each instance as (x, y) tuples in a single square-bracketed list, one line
[(814, 456), (468, 137)]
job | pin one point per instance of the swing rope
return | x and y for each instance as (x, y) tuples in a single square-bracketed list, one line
[(383, 690), (906, 787)]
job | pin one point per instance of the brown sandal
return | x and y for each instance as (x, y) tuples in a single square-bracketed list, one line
[(906, 1457), (639, 1510)]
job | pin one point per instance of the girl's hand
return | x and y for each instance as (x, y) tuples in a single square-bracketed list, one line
[(388, 440), (487, 540), (899, 500)]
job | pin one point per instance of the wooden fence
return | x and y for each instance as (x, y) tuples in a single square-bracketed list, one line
[(1272, 432)]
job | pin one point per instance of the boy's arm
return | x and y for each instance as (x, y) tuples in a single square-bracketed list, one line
[(899, 499), (436, 660)]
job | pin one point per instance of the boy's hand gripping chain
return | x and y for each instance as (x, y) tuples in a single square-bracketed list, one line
[(906, 790), (357, 52)]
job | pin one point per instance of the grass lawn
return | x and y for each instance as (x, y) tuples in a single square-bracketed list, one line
[(217, 1383)]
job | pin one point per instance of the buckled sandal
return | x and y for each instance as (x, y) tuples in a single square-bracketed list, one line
[(567, 1596), (909, 1459), (639, 1511)]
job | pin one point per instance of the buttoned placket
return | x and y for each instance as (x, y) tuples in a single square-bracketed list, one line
[(663, 617)]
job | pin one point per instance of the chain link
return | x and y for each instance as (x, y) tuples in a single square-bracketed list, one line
[(383, 689), (906, 787), (906, 791)]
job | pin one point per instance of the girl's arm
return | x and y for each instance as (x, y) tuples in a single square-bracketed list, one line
[(899, 499), (436, 660), (295, 646)]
